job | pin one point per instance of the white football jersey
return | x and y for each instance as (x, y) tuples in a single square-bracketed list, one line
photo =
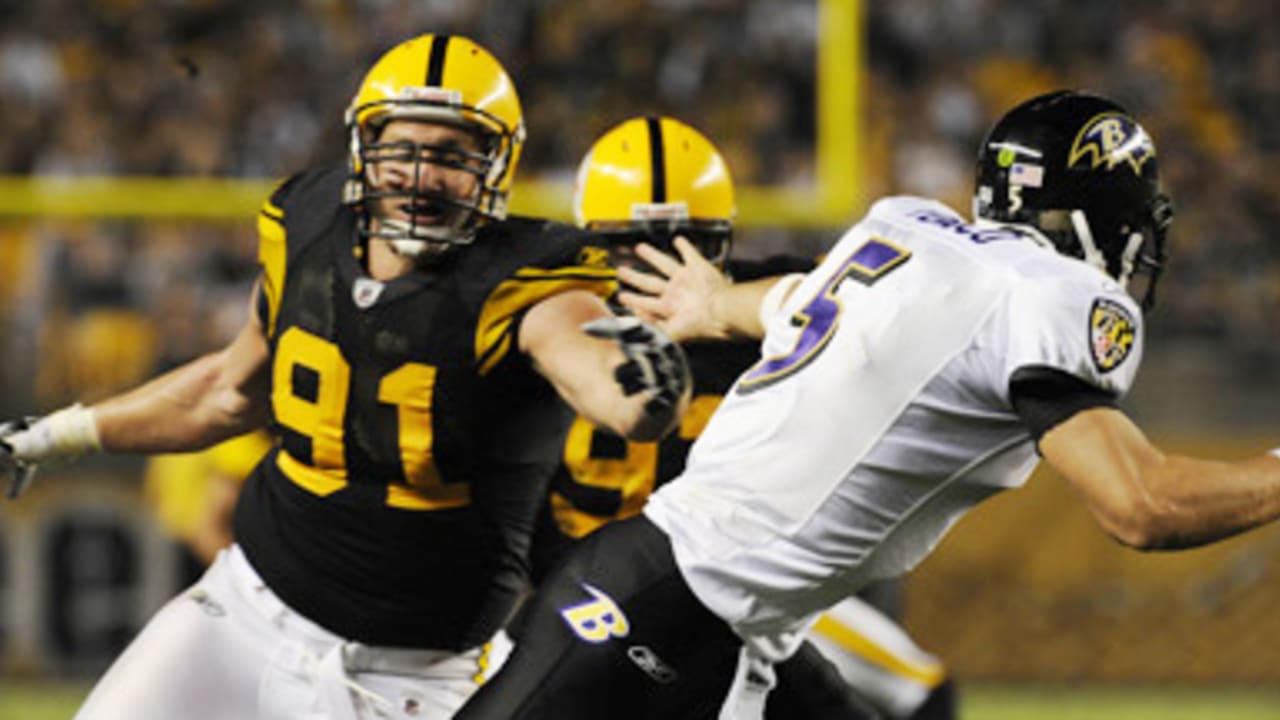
[(880, 412)]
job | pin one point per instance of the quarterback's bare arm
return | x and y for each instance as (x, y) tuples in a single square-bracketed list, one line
[(1151, 500), (693, 300), (582, 368)]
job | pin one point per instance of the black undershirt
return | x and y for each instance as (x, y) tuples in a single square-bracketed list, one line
[(1046, 397)]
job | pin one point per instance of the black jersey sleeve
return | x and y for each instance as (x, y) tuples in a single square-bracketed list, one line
[(530, 260), (297, 209), (771, 266), (1045, 397)]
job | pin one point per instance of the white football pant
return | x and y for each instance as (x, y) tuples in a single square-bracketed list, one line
[(229, 649)]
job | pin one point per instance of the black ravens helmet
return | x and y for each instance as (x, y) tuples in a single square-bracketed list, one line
[(1082, 172)]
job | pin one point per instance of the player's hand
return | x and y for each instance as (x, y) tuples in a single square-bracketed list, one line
[(17, 474), (62, 435), (655, 365), (681, 297)]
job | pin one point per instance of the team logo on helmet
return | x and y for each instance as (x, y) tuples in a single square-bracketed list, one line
[(1112, 331), (1109, 139)]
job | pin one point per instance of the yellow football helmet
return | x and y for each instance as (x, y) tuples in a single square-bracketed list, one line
[(446, 79), (652, 178)]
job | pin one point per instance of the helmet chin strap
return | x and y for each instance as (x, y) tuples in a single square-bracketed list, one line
[(1127, 261), (1094, 256), (1084, 236), (415, 241), (413, 248)]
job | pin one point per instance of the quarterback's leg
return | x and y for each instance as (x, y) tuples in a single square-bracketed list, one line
[(810, 687), (616, 633), (200, 657)]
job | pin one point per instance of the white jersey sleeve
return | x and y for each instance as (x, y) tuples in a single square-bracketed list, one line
[(1081, 323)]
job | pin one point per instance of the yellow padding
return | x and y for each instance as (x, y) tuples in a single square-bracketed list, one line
[(272, 256), (527, 288)]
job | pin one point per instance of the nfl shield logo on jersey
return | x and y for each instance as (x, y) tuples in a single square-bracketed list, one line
[(1111, 333), (365, 292)]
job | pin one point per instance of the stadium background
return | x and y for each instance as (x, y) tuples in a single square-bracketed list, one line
[(137, 138)]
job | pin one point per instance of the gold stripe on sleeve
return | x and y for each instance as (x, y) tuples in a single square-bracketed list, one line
[(271, 256), (526, 288)]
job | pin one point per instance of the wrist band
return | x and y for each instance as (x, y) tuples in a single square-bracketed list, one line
[(772, 301), (67, 433)]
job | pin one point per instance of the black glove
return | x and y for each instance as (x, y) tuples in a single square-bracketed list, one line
[(18, 473), (655, 365)]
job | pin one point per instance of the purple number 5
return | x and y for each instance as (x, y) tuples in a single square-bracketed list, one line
[(820, 316)]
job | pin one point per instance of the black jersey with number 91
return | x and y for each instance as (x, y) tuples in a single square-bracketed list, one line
[(415, 440)]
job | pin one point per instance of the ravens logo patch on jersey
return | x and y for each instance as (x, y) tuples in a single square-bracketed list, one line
[(1112, 331)]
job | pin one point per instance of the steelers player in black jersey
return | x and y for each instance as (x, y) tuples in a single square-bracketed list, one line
[(419, 355), (648, 180)]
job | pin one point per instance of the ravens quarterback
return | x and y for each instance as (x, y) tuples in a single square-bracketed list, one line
[(410, 346), (925, 365), (647, 180)]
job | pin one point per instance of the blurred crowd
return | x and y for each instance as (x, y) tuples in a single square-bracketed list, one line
[(240, 89)]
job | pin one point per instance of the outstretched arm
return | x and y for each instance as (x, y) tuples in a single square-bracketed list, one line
[(207, 400), (691, 299), (640, 398), (204, 402), (1151, 500)]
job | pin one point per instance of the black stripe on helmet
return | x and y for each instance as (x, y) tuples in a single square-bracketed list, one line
[(657, 161), (435, 62)]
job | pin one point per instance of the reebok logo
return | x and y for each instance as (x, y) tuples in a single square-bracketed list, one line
[(652, 665)]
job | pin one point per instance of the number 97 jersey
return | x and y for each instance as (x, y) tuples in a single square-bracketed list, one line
[(880, 412), (415, 441)]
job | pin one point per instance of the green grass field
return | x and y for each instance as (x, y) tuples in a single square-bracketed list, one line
[(58, 702), (1118, 704), (45, 701)]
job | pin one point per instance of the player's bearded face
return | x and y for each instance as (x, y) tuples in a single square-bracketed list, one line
[(423, 175)]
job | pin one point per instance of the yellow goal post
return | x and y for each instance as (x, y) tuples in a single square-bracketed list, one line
[(833, 200)]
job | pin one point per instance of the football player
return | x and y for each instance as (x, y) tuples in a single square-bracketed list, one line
[(921, 368), (648, 180), (410, 345)]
